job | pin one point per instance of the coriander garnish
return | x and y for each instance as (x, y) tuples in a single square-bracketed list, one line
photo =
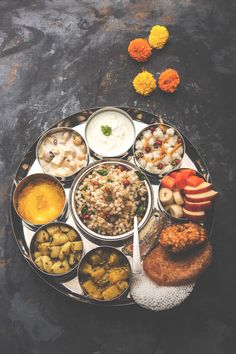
[(106, 130)]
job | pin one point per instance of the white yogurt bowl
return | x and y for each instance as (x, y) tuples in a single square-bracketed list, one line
[(110, 132)]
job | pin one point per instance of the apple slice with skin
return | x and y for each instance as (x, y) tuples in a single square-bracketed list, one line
[(197, 206), (202, 188), (194, 215), (203, 197)]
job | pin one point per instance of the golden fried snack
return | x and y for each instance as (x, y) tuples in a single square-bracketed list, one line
[(172, 270), (182, 237)]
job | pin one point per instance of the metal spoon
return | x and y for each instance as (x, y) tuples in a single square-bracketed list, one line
[(137, 266)]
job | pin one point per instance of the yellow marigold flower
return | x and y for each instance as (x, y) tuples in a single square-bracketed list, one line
[(144, 83), (158, 37), (139, 49)]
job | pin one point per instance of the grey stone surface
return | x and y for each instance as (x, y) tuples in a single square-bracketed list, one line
[(58, 57)]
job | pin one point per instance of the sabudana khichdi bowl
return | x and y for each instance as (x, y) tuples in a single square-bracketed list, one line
[(105, 197)]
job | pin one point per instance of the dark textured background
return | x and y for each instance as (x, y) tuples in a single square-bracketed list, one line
[(57, 57)]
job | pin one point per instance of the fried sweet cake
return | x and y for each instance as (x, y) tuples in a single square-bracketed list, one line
[(177, 269)]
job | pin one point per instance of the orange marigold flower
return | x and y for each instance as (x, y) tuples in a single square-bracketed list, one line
[(169, 80), (139, 49), (144, 83)]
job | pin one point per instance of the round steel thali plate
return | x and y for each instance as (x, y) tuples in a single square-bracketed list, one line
[(29, 165)]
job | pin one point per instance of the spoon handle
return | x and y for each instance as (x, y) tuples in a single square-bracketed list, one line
[(137, 267)]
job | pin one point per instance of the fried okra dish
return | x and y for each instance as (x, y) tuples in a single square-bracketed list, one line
[(109, 197), (56, 249), (104, 273)]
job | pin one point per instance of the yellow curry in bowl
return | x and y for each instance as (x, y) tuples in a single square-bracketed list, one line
[(41, 200), (104, 273), (56, 248)]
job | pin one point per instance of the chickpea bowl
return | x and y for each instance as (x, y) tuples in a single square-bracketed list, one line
[(158, 149), (62, 152), (56, 249), (104, 274)]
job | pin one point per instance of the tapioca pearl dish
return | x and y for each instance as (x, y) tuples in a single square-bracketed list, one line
[(62, 154), (110, 133), (159, 149), (109, 197)]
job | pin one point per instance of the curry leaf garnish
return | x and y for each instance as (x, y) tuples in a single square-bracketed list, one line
[(102, 172)]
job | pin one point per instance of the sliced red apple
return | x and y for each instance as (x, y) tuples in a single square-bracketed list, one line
[(203, 197), (194, 215), (197, 206), (202, 188)]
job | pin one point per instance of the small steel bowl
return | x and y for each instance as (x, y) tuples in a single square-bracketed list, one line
[(30, 179), (78, 220), (109, 109), (72, 271), (81, 276), (59, 130), (159, 202), (136, 160)]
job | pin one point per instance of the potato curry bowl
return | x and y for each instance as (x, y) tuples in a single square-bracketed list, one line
[(104, 274), (56, 249)]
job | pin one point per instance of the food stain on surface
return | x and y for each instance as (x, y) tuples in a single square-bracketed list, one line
[(12, 75)]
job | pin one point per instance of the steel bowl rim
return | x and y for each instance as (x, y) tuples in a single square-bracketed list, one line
[(31, 246), (38, 175), (116, 250), (57, 130), (158, 191), (141, 132), (79, 222), (104, 109)]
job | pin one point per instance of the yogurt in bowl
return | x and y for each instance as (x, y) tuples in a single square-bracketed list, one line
[(110, 132)]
